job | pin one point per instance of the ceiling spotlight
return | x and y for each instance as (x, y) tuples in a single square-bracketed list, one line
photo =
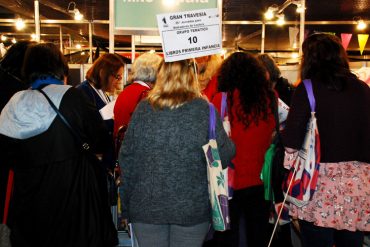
[(78, 46), (361, 25), (300, 8), (3, 38), (270, 13), (281, 20), (73, 10), (19, 24), (78, 15)]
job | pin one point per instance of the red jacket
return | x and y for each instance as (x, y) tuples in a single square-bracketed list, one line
[(126, 103), (251, 144)]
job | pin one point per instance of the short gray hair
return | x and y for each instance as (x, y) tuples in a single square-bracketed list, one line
[(145, 67)]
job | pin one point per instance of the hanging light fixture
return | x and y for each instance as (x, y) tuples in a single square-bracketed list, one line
[(19, 24), (73, 10), (361, 25), (281, 20), (271, 11), (78, 15), (299, 5)]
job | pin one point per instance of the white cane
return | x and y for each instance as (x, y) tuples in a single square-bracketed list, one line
[(282, 207)]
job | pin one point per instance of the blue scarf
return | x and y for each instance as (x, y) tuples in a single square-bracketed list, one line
[(45, 81)]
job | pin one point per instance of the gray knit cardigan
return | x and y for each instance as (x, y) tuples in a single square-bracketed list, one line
[(164, 167)]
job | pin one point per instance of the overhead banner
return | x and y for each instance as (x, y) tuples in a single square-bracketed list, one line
[(190, 34), (346, 38), (133, 16), (362, 40)]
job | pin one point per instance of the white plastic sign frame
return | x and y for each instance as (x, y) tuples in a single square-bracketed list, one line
[(190, 34)]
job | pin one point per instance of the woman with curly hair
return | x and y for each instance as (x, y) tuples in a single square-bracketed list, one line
[(249, 99)]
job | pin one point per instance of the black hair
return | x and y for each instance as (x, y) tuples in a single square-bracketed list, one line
[(44, 60), (12, 61), (271, 66), (243, 72)]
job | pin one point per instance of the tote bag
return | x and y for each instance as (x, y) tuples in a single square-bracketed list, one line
[(301, 180), (217, 183)]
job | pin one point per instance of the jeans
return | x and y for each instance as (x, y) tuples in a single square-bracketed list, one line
[(149, 235), (316, 236)]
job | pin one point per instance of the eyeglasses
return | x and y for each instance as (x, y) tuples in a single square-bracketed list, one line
[(118, 77)]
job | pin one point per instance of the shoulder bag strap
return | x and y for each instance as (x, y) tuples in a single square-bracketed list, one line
[(275, 105), (212, 122), (311, 97), (85, 146), (223, 105)]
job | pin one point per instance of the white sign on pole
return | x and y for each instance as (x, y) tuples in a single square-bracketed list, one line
[(190, 34)]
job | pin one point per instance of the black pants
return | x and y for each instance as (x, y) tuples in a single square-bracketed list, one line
[(250, 204), (315, 236)]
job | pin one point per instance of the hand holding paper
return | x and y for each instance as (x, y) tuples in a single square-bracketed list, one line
[(107, 111)]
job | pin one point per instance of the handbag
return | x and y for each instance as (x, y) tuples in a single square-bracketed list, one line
[(217, 184), (4, 229), (301, 180)]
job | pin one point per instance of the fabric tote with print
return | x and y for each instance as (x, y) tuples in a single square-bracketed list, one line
[(301, 180), (217, 183)]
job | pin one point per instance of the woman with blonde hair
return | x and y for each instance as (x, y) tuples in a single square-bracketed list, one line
[(164, 169)]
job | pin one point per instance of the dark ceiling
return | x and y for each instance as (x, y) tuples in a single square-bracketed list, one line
[(245, 36)]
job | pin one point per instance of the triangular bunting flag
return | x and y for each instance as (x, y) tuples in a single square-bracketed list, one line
[(362, 40), (346, 38)]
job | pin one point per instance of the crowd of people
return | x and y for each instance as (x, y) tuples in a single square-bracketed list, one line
[(62, 150)]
